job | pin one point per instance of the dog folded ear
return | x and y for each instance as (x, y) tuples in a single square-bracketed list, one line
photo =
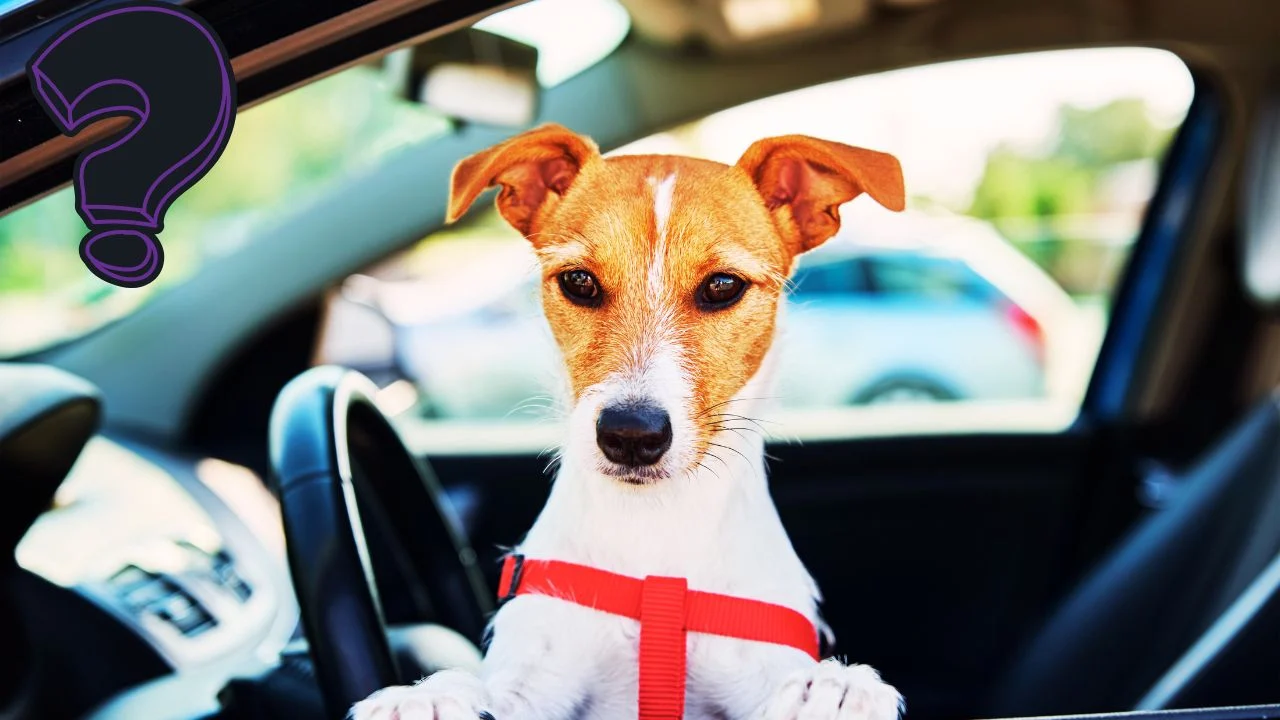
[(804, 181), (533, 168)]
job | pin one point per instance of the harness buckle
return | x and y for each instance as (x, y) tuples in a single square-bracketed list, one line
[(509, 584)]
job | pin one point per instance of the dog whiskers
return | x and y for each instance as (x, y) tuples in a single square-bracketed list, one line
[(544, 407), (726, 423), (730, 417), (744, 417), (704, 467), (730, 447), (731, 400), (736, 431), (552, 465), (710, 454)]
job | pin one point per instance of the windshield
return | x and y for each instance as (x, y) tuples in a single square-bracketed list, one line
[(8, 6), (281, 153)]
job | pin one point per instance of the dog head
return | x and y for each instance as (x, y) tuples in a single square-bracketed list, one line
[(661, 275)]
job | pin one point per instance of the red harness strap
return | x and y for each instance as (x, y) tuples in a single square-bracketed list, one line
[(666, 609)]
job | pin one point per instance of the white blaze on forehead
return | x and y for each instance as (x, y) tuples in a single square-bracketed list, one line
[(662, 194)]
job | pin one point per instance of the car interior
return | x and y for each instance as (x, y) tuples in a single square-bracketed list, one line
[(208, 517)]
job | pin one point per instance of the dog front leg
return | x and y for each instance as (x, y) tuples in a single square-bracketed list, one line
[(530, 672), (760, 682), (445, 695), (832, 690)]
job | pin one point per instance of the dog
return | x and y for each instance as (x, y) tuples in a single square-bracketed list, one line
[(662, 281)]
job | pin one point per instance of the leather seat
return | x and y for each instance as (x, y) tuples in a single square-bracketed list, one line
[(1118, 639)]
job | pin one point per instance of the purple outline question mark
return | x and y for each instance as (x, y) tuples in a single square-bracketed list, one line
[(74, 51)]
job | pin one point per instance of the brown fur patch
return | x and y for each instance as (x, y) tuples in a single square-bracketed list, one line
[(607, 225), (751, 220)]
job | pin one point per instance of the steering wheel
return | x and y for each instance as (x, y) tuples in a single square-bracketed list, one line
[(339, 469)]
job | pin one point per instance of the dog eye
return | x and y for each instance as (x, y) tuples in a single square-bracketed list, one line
[(580, 287), (720, 291)]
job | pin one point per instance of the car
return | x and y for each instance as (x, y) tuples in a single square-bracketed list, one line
[(906, 289), (209, 519), (922, 304), (928, 304)]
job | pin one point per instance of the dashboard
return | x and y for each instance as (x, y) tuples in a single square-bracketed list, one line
[(187, 553)]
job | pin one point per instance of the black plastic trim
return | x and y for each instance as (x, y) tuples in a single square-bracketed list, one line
[(1245, 712), (1147, 281)]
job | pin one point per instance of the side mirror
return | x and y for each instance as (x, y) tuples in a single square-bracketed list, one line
[(470, 75)]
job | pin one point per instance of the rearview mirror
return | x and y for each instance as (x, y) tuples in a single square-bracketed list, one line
[(470, 75)]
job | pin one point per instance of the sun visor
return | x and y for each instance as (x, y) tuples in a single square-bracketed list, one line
[(728, 26)]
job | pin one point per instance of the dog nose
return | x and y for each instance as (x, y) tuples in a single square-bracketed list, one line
[(633, 435)]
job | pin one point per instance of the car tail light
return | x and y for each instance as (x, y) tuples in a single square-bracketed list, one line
[(1028, 328)]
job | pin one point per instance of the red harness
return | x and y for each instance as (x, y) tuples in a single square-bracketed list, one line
[(667, 609)]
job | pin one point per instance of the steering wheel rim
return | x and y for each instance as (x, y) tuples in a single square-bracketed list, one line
[(324, 424)]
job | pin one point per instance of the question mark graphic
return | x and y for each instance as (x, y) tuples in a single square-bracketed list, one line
[(165, 67)]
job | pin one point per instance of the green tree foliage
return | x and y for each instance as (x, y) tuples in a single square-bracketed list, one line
[(1024, 192), (279, 151), (1019, 184), (1118, 132)]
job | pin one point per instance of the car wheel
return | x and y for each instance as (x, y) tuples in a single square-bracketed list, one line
[(904, 391)]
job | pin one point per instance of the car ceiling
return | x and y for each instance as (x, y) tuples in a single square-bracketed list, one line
[(1233, 44)]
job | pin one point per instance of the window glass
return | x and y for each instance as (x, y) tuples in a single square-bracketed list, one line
[(936, 280), (8, 6), (981, 307), (831, 277), (282, 154)]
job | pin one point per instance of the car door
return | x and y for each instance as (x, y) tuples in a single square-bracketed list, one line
[(939, 532)]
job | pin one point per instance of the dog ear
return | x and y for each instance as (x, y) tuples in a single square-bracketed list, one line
[(533, 168), (804, 181)]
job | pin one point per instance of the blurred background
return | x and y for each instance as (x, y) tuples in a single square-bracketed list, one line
[(981, 306)]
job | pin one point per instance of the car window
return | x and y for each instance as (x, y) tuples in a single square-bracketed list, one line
[(282, 154), (847, 276), (8, 6), (921, 277), (981, 307)]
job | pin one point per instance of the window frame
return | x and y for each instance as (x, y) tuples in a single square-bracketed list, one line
[(1146, 286)]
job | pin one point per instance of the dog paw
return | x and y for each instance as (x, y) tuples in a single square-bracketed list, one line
[(832, 690), (446, 695)]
